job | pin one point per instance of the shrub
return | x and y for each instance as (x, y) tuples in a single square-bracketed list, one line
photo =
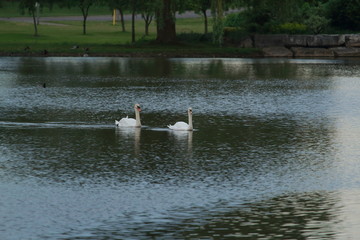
[(234, 35), (229, 30), (194, 37), (344, 14), (317, 24), (234, 20), (292, 28)]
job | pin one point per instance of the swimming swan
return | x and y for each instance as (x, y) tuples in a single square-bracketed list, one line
[(130, 122), (183, 126)]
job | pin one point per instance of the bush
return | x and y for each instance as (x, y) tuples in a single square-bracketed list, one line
[(344, 14), (317, 24), (194, 37), (235, 20), (292, 28), (234, 35), (229, 30)]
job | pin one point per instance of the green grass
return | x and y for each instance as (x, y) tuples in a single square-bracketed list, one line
[(16, 35), (102, 38), (11, 9)]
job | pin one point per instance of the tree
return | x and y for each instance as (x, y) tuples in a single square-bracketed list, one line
[(345, 14), (147, 9), (317, 24), (218, 26), (264, 16), (31, 6), (120, 5), (133, 7), (201, 6), (314, 16), (165, 16), (84, 6)]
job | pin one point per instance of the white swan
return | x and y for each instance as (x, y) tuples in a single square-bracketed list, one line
[(183, 126), (130, 122)]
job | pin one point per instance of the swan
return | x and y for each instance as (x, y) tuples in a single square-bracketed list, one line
[(130, 122), (183, 126)]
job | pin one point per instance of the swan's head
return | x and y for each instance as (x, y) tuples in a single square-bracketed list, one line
[(137, 107), (190, 110)]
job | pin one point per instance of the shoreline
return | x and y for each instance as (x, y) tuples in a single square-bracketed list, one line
[(168, 55), (135, 55)]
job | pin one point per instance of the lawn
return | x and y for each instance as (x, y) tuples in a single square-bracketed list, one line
[(102, 37), (11, 9), (65, 34)]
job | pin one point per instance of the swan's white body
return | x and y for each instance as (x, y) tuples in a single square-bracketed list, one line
[(183, 126), (130, 122)]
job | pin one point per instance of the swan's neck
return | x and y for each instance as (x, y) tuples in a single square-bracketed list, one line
[(190, 122), (137, 118)]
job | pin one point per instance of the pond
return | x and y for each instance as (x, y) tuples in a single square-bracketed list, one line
[(274, 153)]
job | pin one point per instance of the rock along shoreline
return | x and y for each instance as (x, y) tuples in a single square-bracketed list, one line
[(274, 45), (324, 45)]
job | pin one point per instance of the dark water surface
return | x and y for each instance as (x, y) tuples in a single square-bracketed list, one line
[(275, 153)]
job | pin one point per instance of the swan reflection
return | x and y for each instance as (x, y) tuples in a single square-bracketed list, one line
[(183, 137), (130, 133)]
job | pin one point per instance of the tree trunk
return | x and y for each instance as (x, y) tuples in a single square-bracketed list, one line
[(84, 25), (85, 12), (133, 26), (205, 22), (37, 7), (146, 29), (166, 32), (147, 19), (218, 25), (35, 24), (122, 20)]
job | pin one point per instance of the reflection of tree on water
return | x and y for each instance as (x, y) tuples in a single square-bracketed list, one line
[(129, 68)]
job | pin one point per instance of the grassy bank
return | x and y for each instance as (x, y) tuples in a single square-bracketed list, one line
[(11, 9), (102, 38), (105, 39)]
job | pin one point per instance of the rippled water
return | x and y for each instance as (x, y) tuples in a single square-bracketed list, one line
[(274, 155)]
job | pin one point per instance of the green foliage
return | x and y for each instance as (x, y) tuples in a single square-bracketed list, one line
[(27, 6), (259, 20), (288, 16), (218, 22), (314, 17), (229, 30), (194, 37), (292, 28), (200, 5), (317, 24), (344, 14), (235, 20), (218, 31), (234, 34)]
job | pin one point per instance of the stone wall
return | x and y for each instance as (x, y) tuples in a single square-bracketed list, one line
[(326, 45)]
